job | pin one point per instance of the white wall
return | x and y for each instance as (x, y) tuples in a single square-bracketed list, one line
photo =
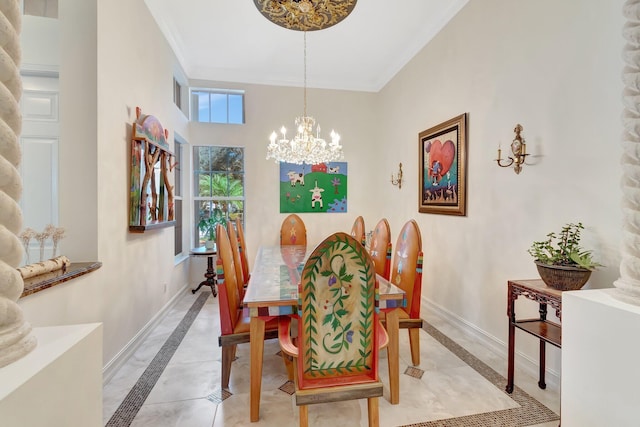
[(115, 61), (267, 108), (553, 67)]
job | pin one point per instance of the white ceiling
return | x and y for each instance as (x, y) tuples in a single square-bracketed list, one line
[(229, 40)]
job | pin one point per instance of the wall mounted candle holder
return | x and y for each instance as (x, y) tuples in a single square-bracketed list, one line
[(518, 150), (398, 180)]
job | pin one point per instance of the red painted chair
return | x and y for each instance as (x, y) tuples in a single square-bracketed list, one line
[(358, 231), (237, 261), (243, 250), (234, 326), (406, 273), (293, 231), (380, 248), (339, 334)]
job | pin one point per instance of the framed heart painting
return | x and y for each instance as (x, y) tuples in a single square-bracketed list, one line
[(443, 168)]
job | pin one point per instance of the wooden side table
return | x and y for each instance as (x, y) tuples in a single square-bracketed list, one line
[(546, 331), (210, 274)]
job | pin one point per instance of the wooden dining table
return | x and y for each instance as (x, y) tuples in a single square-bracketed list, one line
[(273, 291)]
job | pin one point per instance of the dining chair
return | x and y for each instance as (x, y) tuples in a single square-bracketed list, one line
[(406, 273), (357, 230), (234, 325), (237, 262), (243, 250), (380, 248), (338, 331), (293, 231)]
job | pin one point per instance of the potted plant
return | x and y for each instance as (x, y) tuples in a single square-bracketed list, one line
[(208, 226), (560, 260)]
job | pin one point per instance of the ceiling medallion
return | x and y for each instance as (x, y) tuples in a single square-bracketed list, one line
[(305, 15)]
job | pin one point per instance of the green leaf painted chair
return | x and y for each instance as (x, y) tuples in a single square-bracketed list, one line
[(293, 231), (339, 334)]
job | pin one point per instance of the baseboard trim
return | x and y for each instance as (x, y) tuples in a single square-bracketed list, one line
[(110, 369), (522, 361)]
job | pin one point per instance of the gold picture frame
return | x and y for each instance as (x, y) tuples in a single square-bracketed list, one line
[(443, 168)]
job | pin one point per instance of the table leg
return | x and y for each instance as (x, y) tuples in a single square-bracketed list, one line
[(543, 316), (393, 330), (256, 335), (510, 358), (210, 278), (543, 357)]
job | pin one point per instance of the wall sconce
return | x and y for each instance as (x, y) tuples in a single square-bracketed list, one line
[(398, 180), (519, 150)]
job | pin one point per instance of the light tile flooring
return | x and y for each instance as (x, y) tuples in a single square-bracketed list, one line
[(173, 379)]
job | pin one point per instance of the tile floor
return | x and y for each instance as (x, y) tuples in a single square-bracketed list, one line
[(173, 379)]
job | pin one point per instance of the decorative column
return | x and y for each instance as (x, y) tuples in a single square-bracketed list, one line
[(16, 339)]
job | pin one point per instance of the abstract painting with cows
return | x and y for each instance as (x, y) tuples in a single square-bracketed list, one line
[(443, 171), (313, 188)]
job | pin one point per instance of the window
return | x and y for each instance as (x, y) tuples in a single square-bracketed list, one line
[(177, 196), (219, 184), (177, 93), (217, 106)]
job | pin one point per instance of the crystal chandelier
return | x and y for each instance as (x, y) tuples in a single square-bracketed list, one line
[(306, 146)]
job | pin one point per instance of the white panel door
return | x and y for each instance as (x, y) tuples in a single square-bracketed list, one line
[(39, 167)]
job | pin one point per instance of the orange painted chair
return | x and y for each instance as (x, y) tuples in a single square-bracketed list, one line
[(357, 230), (237, 261), (380, 248), (243, 250), (406, 273), (234, 326), (293, 231), (339, 334)]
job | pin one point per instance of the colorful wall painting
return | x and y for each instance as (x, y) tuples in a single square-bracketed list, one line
[(443, 167), (313, 188), (151, 189)]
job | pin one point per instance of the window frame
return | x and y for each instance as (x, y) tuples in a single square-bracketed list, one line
[(194, 109), (216, 199)]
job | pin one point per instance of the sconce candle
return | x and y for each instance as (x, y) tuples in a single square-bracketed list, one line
[(397, 181), (518, 149)]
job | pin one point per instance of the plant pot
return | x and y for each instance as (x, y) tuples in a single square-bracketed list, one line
[(209, 244), (563, 277)]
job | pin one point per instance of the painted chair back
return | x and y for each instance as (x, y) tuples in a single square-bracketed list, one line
[(293, 231), (237, 262), (380, 248), (358, 230), (229, 298), (338, 329), (243, 249), (406, 270)]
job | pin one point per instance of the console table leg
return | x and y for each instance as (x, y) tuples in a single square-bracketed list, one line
[(541, 382), (210, 278), (512, 336)]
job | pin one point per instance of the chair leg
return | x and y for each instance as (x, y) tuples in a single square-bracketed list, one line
[(233, 356), (304, 416), (374, 417), (414, 342), (288, 363), (227, 357)]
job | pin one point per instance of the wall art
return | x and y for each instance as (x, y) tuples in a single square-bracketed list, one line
[(443, 167)]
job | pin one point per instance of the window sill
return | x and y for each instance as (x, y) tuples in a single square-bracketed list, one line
[(41, 282)]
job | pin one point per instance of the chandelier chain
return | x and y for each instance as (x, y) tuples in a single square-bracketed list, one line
[(305, 74), (306, 146)]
